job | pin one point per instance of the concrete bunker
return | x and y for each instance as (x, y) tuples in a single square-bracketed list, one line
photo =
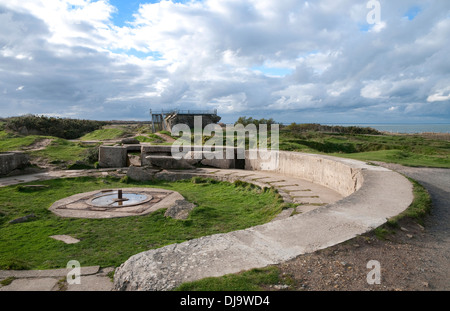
[(11, 161), (160, 156)]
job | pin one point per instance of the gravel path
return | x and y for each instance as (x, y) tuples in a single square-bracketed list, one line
[(413, 258)]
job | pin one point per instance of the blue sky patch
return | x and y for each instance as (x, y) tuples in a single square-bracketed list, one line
[(273, 71), (126, 9), (413, 12), (139, 54)]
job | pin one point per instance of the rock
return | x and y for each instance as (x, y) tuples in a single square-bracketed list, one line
[(169, 162), (141, 173), (22, 219), (65, 238), (180, 210), (133, 160), (281, 287)]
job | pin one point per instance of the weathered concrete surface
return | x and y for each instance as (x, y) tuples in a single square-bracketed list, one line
[(169, 162), (15, 180), (79, 206), (189, 156), (342, 175), (91, 279), (112, 156), (384, 194), (141, 173), (10, 161)]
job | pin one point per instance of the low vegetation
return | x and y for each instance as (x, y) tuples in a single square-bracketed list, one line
[(105, 134), (410, 150), (221, 207), (50, 126), (252, 280)]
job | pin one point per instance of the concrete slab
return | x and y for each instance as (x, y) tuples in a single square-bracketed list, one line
[(306, 208), (40, 284), (308, 200), (92, 283), (284, 214), (54, 273)]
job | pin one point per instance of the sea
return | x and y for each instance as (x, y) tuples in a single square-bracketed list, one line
[(403, 128)]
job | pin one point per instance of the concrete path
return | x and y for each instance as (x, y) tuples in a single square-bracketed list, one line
[(20, 179), (91, 279)]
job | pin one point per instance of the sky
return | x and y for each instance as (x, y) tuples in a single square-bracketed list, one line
[(316, 61)]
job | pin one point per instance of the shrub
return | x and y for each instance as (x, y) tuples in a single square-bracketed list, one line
[(50, 126), (304, 128)]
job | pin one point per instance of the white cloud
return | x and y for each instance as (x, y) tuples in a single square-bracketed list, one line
[(438, 98), (238, 55)]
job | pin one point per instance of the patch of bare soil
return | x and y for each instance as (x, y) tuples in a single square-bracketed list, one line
[(165, 137), (39, 145), (405, 264), (411, 257)]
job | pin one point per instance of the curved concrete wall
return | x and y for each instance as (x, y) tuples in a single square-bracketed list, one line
[(373, 195), (341, 175)]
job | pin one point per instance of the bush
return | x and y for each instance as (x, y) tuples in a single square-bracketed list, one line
[(246, 121), (304, 128), (50, 126)]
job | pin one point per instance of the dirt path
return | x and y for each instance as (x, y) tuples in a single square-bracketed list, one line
[(413, 257), (39, 145), (165, 137)]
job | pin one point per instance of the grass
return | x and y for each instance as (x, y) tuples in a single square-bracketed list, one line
[(221, 207), (409, 150), (252, 280), (419, 208), (402, 157), (105, 134), (61, 150), (149, 138), (10, 142)]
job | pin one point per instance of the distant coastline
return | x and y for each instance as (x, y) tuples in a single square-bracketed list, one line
[(402, 128)]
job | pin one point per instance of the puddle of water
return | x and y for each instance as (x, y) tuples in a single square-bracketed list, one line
[(110, 199)]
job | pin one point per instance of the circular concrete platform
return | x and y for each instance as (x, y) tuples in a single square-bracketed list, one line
[(104, 204)]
